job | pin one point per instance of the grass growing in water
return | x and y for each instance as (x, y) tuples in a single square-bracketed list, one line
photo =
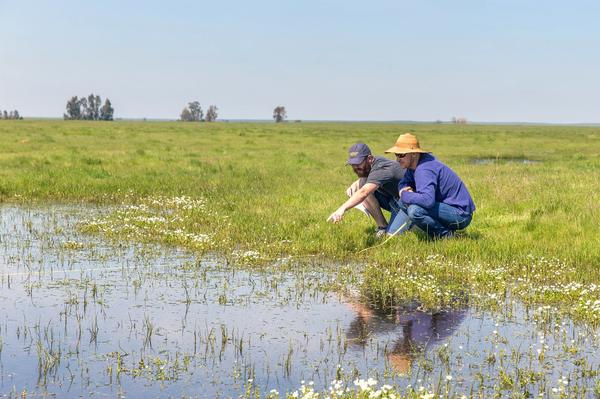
[(266, 190)]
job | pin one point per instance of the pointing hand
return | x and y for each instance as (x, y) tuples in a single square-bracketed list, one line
[(336, 216)]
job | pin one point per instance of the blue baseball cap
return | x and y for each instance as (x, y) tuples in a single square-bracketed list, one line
[(357, 153)]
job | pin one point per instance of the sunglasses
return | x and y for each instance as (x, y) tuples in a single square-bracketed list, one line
[(399, 156)]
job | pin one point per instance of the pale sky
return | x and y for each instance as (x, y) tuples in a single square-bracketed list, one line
[(504, 60)]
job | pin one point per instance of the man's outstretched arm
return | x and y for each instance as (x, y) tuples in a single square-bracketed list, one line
[(356, 198)]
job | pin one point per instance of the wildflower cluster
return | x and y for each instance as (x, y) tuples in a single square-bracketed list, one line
[(583, 297), (487, 278), (545, 270), (183, 202), (362, 389), (436, 282), (246, 256), (156, 219), (412, 280)]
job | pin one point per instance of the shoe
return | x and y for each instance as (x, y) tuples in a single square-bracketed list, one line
[(380, 232), (449, 235)]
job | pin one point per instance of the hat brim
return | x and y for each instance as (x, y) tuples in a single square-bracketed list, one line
[(356, 160), (400, 150)]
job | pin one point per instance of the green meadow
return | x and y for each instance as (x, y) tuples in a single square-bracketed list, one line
[(269, 189)]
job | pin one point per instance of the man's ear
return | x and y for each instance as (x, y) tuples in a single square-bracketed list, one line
[(370, 159)]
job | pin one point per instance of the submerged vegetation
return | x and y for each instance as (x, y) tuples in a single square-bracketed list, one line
[(268, 188), (98, 318), (257, 196)]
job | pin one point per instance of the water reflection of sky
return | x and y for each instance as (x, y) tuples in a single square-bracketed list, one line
[(277, 328)]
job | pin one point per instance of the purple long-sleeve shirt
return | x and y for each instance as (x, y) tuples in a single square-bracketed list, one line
[(432, 182)]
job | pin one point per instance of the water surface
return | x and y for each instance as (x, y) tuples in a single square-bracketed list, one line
[(81, 316)]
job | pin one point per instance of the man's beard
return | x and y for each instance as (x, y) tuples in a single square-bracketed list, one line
[(363, 172)]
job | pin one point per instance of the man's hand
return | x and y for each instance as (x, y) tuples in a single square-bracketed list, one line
[(403, 189), (354, 187), (336, 216), (357, 197)]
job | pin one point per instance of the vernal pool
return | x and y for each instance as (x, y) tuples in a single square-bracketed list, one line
[(82, 316)]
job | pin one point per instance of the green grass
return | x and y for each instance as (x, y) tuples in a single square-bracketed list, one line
[(270, 188)]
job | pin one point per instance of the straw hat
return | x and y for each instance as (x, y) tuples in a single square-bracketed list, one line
[(405, 144)]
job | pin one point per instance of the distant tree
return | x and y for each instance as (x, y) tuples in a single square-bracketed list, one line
[(89, 109), (86, 112), (4, 114), (279, 113), (83, 109), (186, 115), (211, 113), (196, 111), (16, 115), (73, 109), (107, 111), (192, 113)]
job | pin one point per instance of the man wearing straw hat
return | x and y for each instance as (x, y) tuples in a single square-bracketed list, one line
[(432, 196), (376, 188)]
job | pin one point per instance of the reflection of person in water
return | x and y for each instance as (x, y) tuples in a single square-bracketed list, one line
[(420, 330)]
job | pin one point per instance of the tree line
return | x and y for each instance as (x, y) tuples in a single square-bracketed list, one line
[(89, 108), (193, 113), (10, 114)]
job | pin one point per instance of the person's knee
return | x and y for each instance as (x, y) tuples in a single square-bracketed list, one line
[(415, 212)]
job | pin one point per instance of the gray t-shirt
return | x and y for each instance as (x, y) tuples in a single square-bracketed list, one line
[(386, 174)]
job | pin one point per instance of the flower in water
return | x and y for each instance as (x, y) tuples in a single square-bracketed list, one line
[(365, 385), (375, 394)]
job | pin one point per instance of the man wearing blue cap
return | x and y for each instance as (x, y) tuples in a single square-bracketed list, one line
[(376, 188)]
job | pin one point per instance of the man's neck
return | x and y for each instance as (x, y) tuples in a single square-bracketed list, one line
[(415, 161)]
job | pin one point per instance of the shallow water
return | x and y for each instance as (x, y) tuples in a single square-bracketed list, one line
[(80, 316)]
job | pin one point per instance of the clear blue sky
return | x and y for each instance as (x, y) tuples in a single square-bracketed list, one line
[(504, 60)]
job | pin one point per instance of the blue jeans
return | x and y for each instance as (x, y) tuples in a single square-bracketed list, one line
[(439, 221), (398, 217)]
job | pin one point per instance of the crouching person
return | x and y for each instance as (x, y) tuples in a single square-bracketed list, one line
[(375, 189), (431, 196)]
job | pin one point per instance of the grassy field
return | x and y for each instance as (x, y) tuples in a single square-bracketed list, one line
[(268, 188)]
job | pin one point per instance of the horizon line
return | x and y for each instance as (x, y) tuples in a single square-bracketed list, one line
[(390, 121)]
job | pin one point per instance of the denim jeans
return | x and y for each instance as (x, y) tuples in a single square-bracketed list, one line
[(438, 221), (398, 217)]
